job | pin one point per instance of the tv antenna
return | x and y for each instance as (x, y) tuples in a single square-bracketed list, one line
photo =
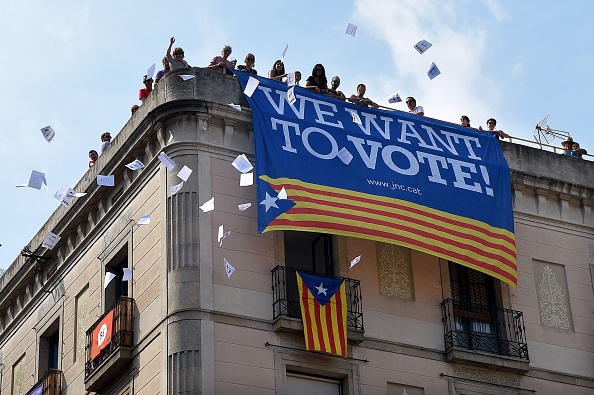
[(544, 134)]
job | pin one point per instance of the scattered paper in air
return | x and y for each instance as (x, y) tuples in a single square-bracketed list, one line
[(423, 46), (144, 220), (220, 234), (251, 86), (184, 173), (50, 241), (174, 189), (351, 30), (48, 133), (291, 79), (235, 106), (65, 195), (170, 137), (135, 165), (345, 156), (355, 261), (395, 98), (208, 206), (228, 268), (282, 195), (127, 274), (284, 53), (433, 71), (356, 117), (242, 164), (166, 161), (150, 72), (79, 194), (107, 181), (36, 180), (244, 206), (108, 277), (186, 77), (246, 179), (291, 95)]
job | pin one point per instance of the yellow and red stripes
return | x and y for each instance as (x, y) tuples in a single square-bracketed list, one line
[(463, 240)]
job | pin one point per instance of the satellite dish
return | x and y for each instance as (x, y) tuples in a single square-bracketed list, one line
[(544, 134)]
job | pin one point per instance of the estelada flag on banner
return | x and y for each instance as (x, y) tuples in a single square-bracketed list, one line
[(102, 335), (323, 309)]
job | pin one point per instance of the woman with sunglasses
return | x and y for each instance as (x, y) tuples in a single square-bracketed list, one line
[(317, 81), (278, 71), (177, 60), (250, 61)]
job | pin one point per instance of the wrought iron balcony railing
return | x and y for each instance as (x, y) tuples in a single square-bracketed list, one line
[(476, 327), (286, 296), (49, 384), (121, 334)]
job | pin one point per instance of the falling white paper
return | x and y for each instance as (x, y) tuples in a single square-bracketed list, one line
[(433, 71), (244, 206), (166, 161), (135, 165), (184, 173), (345, 156), (220, 234), (291, 79), (108, 277), (144, 220), (170, 137), (50, 241), (284, 53), (291, 95), (186, 77), (48, 133), (208, 206), (422, 46), (228, 268), (395, 98), (235, 106), (127, 274), (351, 30), (150, 72), (242, 164), (79, 194), (174, 189), (246, 179), (107, 181), (251, 86), (355, 261), (36, 180), (65, 195), (282, 195), (356, 118)]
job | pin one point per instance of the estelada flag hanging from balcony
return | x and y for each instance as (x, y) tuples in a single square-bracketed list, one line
[(382, 175), (323, 310), (102, 335)]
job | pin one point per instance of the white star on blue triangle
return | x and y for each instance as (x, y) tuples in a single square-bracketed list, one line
[(321, 289), (269, 202)]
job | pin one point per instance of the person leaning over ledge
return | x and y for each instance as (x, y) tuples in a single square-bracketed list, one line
[(491, 123), (248, 67), (221, 64), (93, 155), (359, 98), (177, 60), (146, 91), (411, 102)]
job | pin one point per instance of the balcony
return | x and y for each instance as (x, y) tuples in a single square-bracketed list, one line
[(100, 368), (287, 311), (49, 384), (486, 336)]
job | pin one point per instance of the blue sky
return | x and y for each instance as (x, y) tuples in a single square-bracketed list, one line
[(78, 66)]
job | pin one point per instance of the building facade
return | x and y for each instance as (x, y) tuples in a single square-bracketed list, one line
[(416, 324)]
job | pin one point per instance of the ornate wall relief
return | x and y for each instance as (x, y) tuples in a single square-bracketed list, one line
[(552, 295), (395, 271)]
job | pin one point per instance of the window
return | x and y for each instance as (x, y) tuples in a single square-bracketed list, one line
[(116, 287), (299, 384), (49, 348)]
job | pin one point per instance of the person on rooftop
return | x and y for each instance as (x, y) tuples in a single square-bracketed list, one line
[(277, 72), (567, 146), (317, 81), (491, 123), (105, 141), (333, 90), (93, 155), (411, 103), (360, 99), (222, 64), (161, 73), (134, 108), (250, 61), (146, 91), (177, 60), (465, 121), (576, 151), (297, 77)]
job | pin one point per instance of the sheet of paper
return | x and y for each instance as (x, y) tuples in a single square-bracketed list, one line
[(345, 156), (107, 181), (284, 53), (422, 46), (355, 261), (79, 194), (151, 71), (246, 179), (433, 71), (108, 277), (291, 79), (220, 234), (351, 29), (186, 77), (36, 180), (48, 133), (127, 274), (282, 194), (208, 206), (184, 173), (144, 220), (50, 241), (244, 206), (166, 161), (251, 86), (291, 95), (174, 189), (242, 164), (395, 98), (225, 235), (228, 268), (235, 106), (135, 165)]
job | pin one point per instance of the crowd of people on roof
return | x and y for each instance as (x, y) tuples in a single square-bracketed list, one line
[(317, 82)]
